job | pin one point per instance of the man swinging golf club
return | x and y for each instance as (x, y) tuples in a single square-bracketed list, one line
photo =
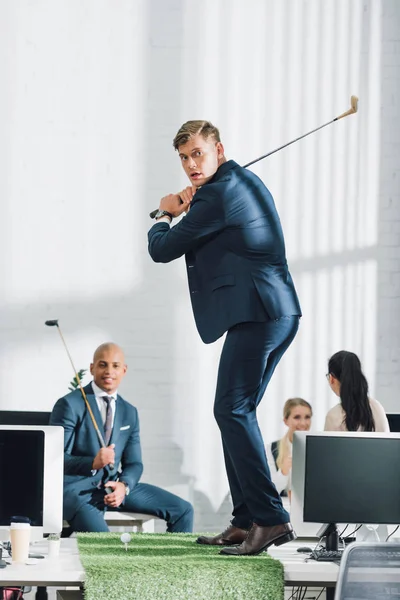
[(240, 285)]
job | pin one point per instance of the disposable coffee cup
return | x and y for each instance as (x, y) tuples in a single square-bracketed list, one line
[(53, 548), (20, 534)]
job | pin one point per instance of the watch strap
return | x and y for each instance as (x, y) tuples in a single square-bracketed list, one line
[(127, 488), (163, 213)]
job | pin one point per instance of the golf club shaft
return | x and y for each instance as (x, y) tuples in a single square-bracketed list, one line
[(99, 434), (288, 144)]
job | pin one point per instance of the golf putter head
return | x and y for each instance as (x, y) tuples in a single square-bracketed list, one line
[(354, 104), (352, 110), (51, 323)]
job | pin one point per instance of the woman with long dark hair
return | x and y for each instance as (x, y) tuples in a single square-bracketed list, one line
[(356, 410)]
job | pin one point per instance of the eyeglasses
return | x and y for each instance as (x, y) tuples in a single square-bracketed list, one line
[(328, 376)]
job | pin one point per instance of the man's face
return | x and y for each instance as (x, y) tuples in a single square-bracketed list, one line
[(201, 158), (108, 368)]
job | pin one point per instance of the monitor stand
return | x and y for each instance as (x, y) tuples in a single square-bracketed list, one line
[(331, 533)]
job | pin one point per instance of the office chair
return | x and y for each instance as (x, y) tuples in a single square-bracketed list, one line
[(369, 571)]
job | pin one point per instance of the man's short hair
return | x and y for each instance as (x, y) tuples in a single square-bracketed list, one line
[(192, 128)]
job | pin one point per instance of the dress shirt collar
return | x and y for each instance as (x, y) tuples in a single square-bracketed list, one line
[(99, 393)]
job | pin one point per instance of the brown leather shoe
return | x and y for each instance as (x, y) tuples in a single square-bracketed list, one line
[(260, 538), (232, 535)]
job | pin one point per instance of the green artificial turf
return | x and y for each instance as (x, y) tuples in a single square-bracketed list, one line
[(173, 567)]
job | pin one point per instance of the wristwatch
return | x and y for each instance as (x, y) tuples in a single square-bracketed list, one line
[(127, 488), (163, 213)]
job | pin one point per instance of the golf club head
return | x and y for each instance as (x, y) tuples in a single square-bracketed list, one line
[(354, 103), (52, 323), (351, 111)]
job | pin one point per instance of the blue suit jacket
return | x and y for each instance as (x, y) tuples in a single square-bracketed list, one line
[(81, 445), (235, 253)]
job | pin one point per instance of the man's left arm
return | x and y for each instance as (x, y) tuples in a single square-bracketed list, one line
[(204, 220)]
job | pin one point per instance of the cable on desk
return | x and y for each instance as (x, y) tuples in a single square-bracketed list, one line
[(356, 529), (390, 534)]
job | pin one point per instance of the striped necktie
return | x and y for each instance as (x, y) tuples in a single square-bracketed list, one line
[(108, 421)]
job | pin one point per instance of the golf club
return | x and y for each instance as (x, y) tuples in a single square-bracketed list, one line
[(54, 323), (353, 109)]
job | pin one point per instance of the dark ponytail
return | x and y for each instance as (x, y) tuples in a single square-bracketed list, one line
[(346, 368)]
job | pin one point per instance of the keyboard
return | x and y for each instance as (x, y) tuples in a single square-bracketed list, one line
[(326, 555)]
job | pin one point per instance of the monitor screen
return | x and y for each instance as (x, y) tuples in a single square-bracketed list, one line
[(394, 422), (21, 469), (352, 478)]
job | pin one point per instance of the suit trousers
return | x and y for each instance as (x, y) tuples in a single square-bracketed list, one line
[(144, 498), (249, 357)]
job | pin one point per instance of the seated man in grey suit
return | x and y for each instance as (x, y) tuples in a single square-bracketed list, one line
[(90, 485)]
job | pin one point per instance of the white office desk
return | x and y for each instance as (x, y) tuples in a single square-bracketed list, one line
[(67, 570), (300, 570)]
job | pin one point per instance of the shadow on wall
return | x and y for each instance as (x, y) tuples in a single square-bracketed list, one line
[(163, 464), (206, 518), (163, 467)]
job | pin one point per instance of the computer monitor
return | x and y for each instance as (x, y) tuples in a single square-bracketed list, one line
[(346, 477), (24, 417), (394, 422), (31, 476)]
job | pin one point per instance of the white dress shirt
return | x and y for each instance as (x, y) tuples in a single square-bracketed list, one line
[(99, 394)]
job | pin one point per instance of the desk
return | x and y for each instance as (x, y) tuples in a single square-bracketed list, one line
[(299, 570), (67, 570)]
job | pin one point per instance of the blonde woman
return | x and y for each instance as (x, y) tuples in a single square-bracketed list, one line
[(297, 414)]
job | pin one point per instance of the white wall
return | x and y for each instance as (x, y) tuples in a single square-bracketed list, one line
[(93, 92), (388, 250)]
